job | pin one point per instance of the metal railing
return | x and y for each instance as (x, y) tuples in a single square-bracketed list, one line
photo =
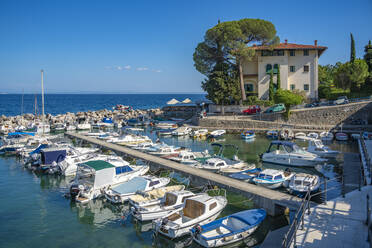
[(367, 158), (369, 222), (290, 236)]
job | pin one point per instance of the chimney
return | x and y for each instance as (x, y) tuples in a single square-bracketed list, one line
[(286, 41), (315, 42)]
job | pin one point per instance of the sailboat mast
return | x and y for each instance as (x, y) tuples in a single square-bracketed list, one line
[(23, 92), (42, 98)]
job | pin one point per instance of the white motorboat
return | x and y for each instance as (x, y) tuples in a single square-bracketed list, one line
[(182, 131), (220, 164), (313, 135), (69, 166), (342, 136), (217, 133), (153, 197), (273, 179), (301, 183), (70, 127), (300, 135), (143, 146), (286, 134), (288, 153), (42, 128), (59, 126), (94, 176), (170, 202), (200, 209), (165, 150), (122, 192), (20, 128), (83, 126), (326, 136), (199, 133), (129, 140), (166, 125), (316, 147), (187, 157), (229, 229)]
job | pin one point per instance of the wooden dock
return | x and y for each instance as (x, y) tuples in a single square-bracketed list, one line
[(273, 202)]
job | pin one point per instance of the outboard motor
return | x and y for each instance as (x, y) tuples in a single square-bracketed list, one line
[(75, 190)]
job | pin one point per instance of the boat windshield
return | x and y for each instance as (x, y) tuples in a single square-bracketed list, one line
[(298, 182), (170, 199), (295, 148)]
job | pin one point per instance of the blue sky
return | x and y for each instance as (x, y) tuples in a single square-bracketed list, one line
[(147, 46)]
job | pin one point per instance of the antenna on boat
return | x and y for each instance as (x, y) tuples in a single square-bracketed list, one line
[(42, 98)]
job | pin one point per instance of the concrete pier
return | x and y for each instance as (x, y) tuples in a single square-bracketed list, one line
[(338, 223), (273, 202)]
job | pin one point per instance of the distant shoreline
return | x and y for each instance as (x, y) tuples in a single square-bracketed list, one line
[(203, 93)]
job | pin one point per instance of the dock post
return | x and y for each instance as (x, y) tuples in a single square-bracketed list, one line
[(343, 186), (325, 190), (295, 233), (368, 211)]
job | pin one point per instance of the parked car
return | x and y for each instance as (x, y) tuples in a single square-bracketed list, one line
[(251, 110), (276, 108), (341, 100)]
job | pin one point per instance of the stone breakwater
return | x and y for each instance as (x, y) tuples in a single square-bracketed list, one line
[(89, 116)]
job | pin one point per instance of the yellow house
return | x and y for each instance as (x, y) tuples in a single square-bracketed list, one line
[(298, 68)]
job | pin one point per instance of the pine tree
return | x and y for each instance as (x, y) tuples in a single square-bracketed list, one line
[(278, 86), (271, 86), (352, 49)]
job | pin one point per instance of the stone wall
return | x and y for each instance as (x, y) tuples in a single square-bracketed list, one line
[(331, 115), (322, 118)]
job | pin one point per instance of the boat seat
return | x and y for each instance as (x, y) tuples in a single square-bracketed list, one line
[(174, 217)]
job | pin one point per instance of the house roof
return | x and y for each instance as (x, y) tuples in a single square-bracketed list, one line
[(290, 46)]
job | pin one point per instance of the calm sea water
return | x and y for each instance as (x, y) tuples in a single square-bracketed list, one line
[(34, 212), (11, 104)]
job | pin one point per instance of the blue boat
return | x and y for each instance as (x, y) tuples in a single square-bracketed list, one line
[(229, 229), (248, 135), (246, 175)]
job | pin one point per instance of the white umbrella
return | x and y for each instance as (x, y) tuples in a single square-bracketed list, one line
[(187, 100), (172, 102)]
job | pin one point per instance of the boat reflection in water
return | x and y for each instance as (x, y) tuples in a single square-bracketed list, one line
[(98, 213)]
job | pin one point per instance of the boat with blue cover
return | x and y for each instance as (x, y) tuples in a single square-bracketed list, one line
[(229, 229), (246, 175), (248, 135)]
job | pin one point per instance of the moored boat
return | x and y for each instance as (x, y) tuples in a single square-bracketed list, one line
[(301, 183), (326, 136), (288, 153), (340, 136), (229, 229), (273, 179), (171, 202), (248, 135), (200, 209)]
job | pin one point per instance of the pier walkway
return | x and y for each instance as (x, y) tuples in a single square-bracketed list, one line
[(273, 202), (338, 223)]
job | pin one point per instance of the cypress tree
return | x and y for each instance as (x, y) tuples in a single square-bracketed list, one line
[(271, 86), (278, 86), (352, 49), (368, 55)]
